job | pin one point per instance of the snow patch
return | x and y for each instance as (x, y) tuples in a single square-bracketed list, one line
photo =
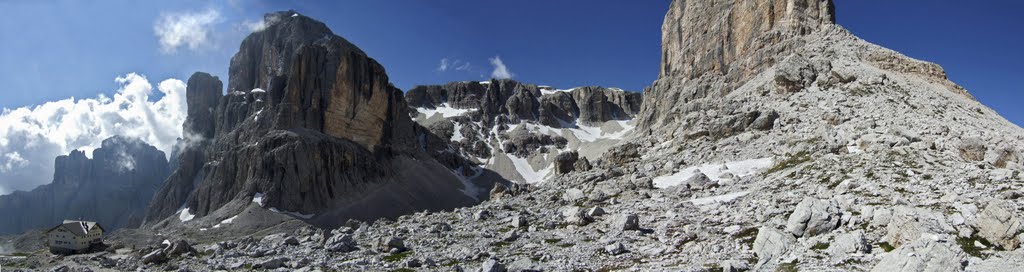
[(718, 199), (226, 221), (554, 91), (457, 137), (258, 90), (526, 170), (582, 132), (445, 111), (258, 199), (185, 216), (257, 117), (714, 171)]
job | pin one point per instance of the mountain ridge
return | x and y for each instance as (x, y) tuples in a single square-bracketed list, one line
[(111, 187)]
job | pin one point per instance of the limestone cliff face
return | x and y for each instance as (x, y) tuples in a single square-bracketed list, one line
[(312, 124), (112, 188), (709, 36)]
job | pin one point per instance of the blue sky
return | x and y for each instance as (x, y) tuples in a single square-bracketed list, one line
[(53, 50)]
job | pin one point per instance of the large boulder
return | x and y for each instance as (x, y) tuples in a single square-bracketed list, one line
[(907, 224), (924, 254), (771, 245), (973, 149), (847, 244), (574, 215), (813, 216), (999, 223), (567, 162)]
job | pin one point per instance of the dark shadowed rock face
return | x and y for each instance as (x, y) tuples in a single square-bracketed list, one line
[(203, 92), (202, 95), (312, 124), (112, 188)]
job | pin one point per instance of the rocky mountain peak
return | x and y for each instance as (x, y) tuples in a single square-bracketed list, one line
[(268, 52), (708, 36), (202, 95), (310, 126), (307, 77)]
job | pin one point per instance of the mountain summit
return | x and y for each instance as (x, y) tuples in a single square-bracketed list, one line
[(310, 129)]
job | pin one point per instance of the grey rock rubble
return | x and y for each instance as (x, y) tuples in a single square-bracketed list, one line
[(772, 141)]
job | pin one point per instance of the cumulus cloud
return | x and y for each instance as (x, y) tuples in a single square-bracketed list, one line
[(31, 137), (500, 70), (191, 30)]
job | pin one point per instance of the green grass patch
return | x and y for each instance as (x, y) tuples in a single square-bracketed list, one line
[(886, 246), (450, 263), (566, 245), (791, 161), (501, 244), (820, 246), (746, 236), (397, 256), (613, 268), (552, 241), (788, 267), (971, 248), (712, 267)]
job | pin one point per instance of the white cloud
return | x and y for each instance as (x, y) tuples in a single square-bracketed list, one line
[(444, 65), (34, 136), (12, 161), (257, 26), (254, 26), (456, 64), (463, 67), (500, 70), (191, 30)]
